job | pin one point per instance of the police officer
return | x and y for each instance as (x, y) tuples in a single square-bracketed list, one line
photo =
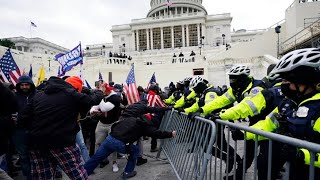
[(298, 115), (242, 86), (176, 95), (256, 108), (206, 93)]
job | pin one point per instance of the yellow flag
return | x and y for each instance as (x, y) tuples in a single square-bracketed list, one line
[(41, 76)]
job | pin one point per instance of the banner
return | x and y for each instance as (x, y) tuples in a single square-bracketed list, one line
[(70, 59)]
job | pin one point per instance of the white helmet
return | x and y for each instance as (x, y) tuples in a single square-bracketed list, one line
[(187, 79), (239, 70), (180, 82), (301, 57), (195, 81)]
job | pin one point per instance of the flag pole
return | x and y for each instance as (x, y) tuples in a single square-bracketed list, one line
[(30, 30)]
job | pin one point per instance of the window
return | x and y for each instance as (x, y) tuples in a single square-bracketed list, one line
[(177, 30), (142, 40), (167, 37), (198, 72), (156, 38), (193, 35)]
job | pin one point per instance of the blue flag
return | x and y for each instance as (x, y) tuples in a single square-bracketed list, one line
[(87, 84), (70, 59), (30, 71), (100, 76)]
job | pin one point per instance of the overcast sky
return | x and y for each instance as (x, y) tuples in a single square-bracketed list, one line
[(66, 22)]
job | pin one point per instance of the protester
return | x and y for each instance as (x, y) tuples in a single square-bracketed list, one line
[(108, 111), (8, 106), (132, 125), (51, 119), (25, 91)]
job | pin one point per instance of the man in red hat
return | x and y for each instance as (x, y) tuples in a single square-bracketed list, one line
[(51, 119), (108, 112)]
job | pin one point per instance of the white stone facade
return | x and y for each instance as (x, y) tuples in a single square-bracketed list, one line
[(37, 45)]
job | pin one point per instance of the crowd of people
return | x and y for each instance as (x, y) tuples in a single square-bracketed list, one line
[(52, 126)]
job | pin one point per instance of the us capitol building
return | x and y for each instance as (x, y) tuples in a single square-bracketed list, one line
[(179, 39)]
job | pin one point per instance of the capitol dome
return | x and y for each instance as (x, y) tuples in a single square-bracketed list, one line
[(160, 7)]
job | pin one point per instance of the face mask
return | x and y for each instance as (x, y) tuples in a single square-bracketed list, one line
[(294, 95), (285, 89)]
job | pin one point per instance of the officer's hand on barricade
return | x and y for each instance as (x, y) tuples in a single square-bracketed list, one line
[(236, 134), (288, 152), (214, 117), (192, 116), (174, 133), (300, 158), (180, 110)]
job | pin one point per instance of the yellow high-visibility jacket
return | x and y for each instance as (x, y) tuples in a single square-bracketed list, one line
[(180, 103), (229, 98), (253, 105), (306, 107), (208, 96)]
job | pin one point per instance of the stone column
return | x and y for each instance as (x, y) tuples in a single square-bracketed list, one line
[(161, 34), (183, 37), (198, 30), (148, 43), (172, 37), (134, 42), (138, 47), (176, 10), (151, 34), (187, 30)]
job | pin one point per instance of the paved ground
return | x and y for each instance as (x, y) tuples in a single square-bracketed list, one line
[(153, 170)]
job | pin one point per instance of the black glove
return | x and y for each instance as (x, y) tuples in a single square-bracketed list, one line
[(214, 117), (236, 134), (288, 152), (180, 110), (300, 158), (192, 116)]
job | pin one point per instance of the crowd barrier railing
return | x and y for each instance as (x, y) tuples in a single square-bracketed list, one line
[(190, 151), (203, 149)]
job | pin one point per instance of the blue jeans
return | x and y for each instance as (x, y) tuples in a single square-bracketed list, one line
[(21, 142), (82, 146), (108, 146)]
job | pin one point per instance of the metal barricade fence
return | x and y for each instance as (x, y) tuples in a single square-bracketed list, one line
[(190, 151), (270, 152), (205, 150)]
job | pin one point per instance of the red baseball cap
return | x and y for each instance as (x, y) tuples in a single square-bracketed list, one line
[(108, 87)]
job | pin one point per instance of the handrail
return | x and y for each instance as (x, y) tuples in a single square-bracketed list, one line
[(294, 40)]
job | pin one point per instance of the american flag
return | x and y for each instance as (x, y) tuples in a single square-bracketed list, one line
[(100, 76), (155, 101), (130, 88), (152, 80), (9, 69)]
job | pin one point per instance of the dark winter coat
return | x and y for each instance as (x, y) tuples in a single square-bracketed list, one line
[(51, 116), (8, 106), (23, 98), (130, 129)]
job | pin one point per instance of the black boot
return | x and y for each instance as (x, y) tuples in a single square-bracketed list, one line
[(104, 163), (141, 161)]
